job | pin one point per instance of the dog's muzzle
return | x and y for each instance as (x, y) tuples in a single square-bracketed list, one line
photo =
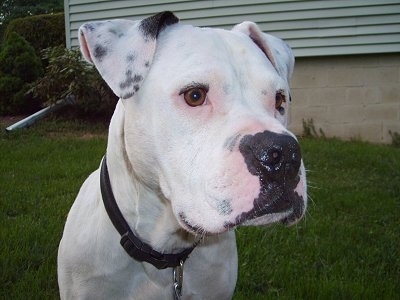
[(276, 160)]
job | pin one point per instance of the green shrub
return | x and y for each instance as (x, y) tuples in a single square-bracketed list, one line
[(68, 76), (395, 138), (309, 130), (41, 31), (19, 66), (13, 9)]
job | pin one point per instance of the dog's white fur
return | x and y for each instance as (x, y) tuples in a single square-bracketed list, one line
[(167, 159)]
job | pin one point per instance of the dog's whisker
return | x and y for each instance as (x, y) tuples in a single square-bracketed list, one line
[(310, 186)]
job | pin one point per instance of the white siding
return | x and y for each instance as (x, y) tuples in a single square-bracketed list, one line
[(312, 28)]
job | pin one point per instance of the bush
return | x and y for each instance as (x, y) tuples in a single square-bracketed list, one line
[(19, 66), (309, 130), (68, 76), (395, 138), (41, 31)]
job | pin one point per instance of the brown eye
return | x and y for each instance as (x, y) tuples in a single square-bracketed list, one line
[(279, 100), (195, 96)]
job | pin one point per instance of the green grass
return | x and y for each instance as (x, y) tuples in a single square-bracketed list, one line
[(346, 248), (348, 245), (41, 171)]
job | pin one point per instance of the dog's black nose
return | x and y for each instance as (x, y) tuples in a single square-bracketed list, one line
[(273, 156)]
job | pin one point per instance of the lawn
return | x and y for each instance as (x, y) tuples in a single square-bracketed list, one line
[(347, 247)]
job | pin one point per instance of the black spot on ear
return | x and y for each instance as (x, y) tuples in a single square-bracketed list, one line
[(137, 78), (127, 95), (113, 31), (99, 52), (129, 80), (89, 27), (152, 26), (147, 64), (131, 58)]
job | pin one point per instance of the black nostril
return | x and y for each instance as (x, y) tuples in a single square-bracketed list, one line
[(271, 159), (274, 156)]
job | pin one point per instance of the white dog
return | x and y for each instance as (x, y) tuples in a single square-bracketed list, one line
[(197, 146)]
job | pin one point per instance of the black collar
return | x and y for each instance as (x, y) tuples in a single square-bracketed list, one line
[(131, 243)]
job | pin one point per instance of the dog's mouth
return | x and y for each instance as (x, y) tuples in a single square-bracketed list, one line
[(195, 229), (287, 208), (275, 200)]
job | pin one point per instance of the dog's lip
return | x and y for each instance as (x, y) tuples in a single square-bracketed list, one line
[(268, 219), (269, 213), (288, 213), (189, 226), (286, 218), (196, 229), (296, 214)]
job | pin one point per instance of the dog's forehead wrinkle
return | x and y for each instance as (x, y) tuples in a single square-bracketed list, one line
[(227, 88), (205, 49), (193, 42)]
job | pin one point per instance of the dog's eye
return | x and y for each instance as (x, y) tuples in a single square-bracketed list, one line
[(195, 96), (280, 98)]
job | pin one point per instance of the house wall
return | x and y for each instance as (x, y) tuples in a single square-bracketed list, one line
[(311, 28), (347, 52), (351, 97)]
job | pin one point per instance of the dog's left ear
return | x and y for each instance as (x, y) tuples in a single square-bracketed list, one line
[(277, 51), (123, 50)]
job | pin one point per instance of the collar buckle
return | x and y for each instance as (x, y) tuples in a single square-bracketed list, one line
[(142, 252)]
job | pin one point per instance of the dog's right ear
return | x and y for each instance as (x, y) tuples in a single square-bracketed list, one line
[(276, 50), (123, 50)]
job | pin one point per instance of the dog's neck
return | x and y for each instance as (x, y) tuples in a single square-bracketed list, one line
[(135, 199)]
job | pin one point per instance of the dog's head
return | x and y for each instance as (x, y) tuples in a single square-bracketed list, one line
[(208, 107)]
